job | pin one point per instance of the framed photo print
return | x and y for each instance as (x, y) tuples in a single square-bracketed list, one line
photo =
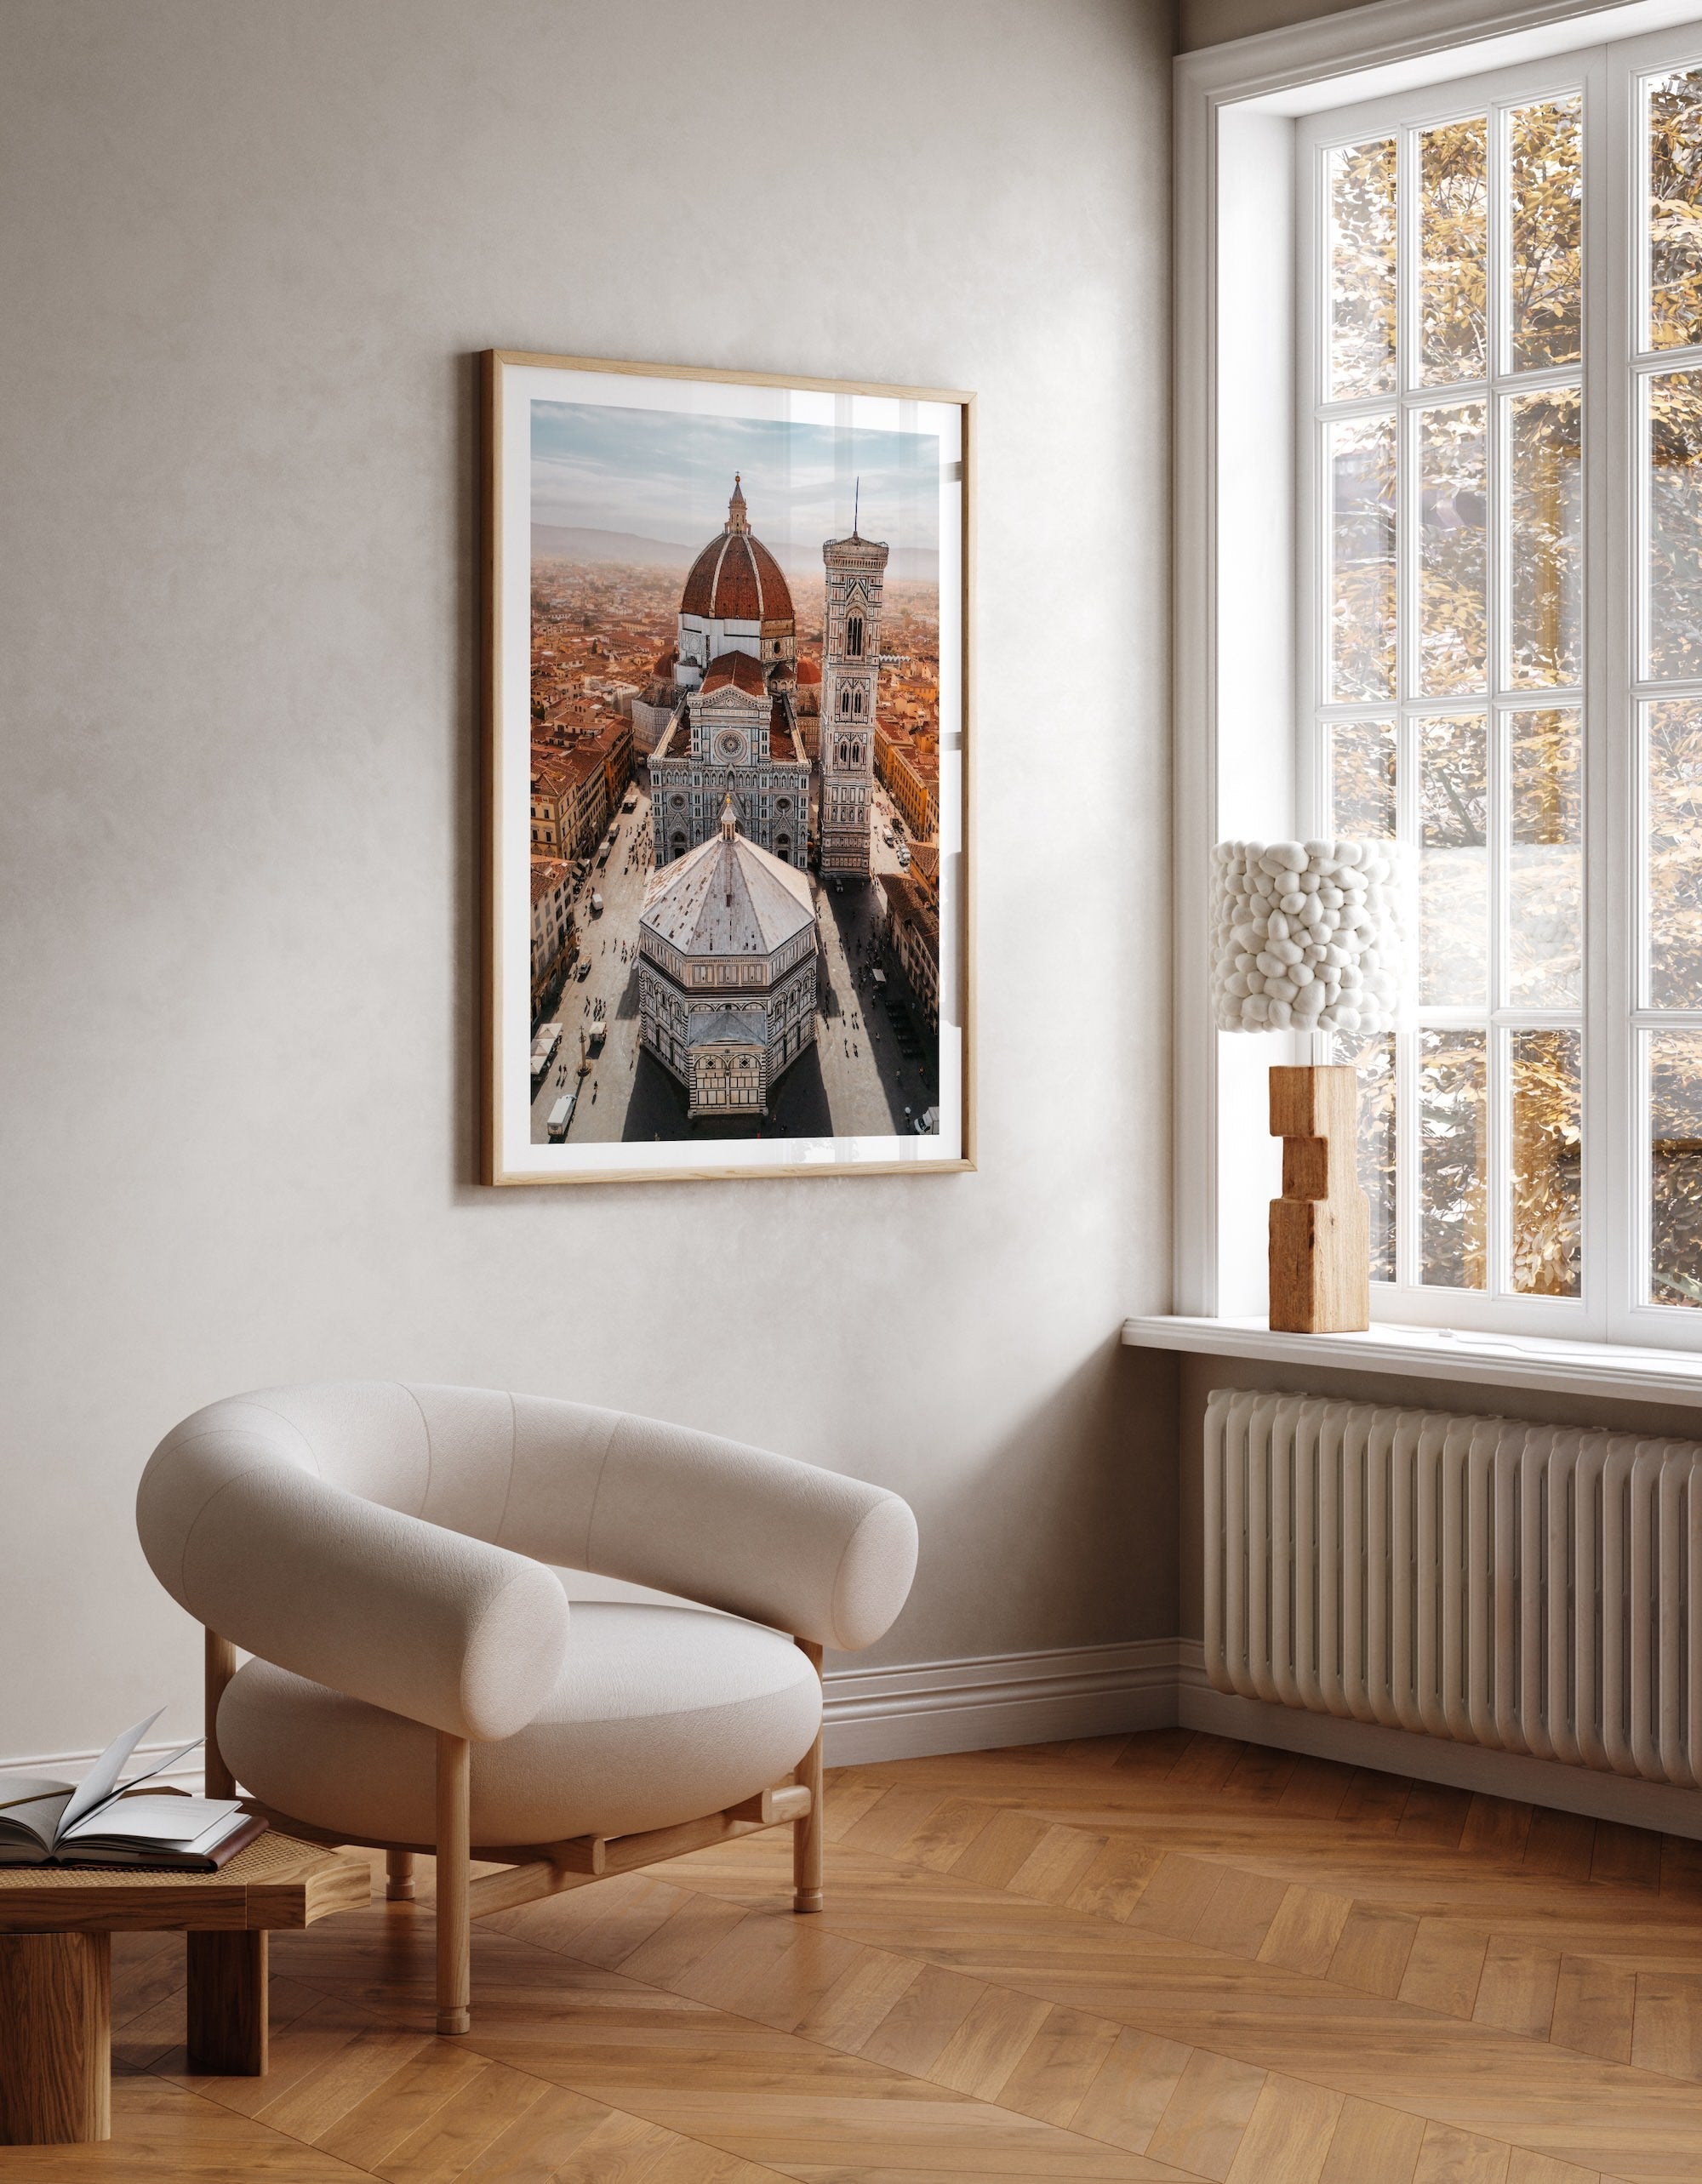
[(727, 857)]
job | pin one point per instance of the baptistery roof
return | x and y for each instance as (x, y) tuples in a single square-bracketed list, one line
[(727, 896), (735, 578)]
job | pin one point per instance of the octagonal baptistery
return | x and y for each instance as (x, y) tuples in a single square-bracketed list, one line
[(727, 949), (736, 600)]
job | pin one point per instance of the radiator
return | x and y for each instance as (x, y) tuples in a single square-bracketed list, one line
[(1530, 1588)]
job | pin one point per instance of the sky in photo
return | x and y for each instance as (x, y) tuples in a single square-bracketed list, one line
[(662, 475)]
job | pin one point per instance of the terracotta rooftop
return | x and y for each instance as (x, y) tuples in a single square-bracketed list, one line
[(738, 669), (547, 874)]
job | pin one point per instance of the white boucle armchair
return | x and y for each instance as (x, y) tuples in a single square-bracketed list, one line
[(389, 1556)]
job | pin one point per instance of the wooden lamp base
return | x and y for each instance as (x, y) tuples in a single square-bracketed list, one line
[(1320, 1226)]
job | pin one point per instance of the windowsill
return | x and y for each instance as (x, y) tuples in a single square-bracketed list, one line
[(1607, 1369)]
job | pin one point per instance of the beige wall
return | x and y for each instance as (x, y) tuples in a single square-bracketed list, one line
[(1215, 22), (248, 252)]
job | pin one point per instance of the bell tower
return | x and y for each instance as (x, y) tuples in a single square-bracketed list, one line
[(850, 676)]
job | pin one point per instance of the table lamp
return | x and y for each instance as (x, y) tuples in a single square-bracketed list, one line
[(1308, 936)]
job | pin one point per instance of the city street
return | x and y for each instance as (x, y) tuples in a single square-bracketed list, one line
[(610, 945), (854, 1082)]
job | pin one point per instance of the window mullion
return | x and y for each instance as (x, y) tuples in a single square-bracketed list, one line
[(1614, 1248), (1497, 1045)]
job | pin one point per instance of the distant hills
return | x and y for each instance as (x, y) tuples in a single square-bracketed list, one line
[(575, 544), (572, 543)]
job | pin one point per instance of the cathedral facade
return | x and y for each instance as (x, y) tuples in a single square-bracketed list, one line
[(737, 715)]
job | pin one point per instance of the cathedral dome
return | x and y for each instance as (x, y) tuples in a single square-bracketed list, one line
[(807, 672), (735, 578)]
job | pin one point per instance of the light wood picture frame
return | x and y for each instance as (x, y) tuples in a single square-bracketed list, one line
[(728, 862)]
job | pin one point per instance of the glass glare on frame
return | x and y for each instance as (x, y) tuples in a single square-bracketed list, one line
[(1374, 1058), (1673, 568), (1454, 251), (1674, 1122), (1545, 573), (1545, 858), (1672, 832), (1546, 1231), (1453, 1147), (1361, 525), (1545, 205), (1673, 123), (1361, 270), (1361, 779), (1453, 563), (1454, 863)]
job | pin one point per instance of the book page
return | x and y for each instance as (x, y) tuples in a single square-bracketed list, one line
[(102, 1778), (31, 1805), (179, 1821)]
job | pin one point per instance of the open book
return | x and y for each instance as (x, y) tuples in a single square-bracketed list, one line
[(101, 1822)]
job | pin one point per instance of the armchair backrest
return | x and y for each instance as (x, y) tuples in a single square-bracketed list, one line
[(283, 1473)]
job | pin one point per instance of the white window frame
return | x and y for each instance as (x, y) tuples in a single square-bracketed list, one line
[(1244, 525)]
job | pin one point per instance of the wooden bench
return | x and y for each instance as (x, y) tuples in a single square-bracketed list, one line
[(56, 1925)]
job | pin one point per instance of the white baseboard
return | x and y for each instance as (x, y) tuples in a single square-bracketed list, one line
[(72, 1766), (932, 1707), (924, 1709), (1512, 1775)]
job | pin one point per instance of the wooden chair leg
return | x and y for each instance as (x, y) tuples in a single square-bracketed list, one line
[(807, 1836), (220, 1659), (454, 1838), (398, 1876)]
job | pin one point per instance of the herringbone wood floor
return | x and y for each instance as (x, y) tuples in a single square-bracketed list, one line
[(1163, 1956)]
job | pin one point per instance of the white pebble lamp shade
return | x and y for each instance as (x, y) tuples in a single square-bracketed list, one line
[(1306, 935)]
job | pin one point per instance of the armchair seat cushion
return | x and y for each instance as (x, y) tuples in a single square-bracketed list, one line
[(659, 1715)]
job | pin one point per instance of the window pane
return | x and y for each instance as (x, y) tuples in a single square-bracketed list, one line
[(1362, 780), (1674, 1081), (1675, 524), (1545, 860), (1375, 1059), (1546, 584), (1453, 1152), (1546, 191), (1547, 1163), (1453, 863), (1672, 828), (1362, 459), (1675, 187), (1362, 197), (1453, 237), (1453, 646)]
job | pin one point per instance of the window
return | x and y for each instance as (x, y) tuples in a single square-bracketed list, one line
[(1449, 550), (1445, 618), (854, 635)]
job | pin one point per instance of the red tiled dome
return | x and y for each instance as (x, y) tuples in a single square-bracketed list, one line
[(735, 578), (807, 672)]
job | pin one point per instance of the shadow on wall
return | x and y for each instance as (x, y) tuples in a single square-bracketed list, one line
[(1088, 1485)]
